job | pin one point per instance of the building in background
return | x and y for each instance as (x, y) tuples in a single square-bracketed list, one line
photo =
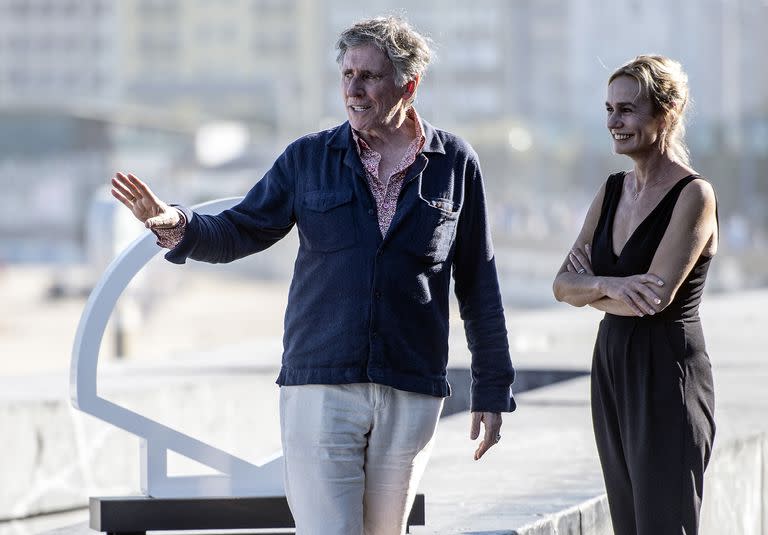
[(58, 53), (253, 61), (166, 82)]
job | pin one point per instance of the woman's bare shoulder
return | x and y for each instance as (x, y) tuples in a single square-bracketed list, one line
[(698, 193)]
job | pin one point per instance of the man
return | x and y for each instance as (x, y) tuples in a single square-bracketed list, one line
[(386, 207)]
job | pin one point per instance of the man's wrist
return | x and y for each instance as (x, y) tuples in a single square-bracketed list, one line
[(182, 220)]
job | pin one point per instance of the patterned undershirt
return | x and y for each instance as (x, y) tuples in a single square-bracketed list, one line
[(384, 193)]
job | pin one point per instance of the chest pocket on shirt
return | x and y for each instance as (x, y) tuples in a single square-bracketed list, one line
[(327, 223), (435, 230)]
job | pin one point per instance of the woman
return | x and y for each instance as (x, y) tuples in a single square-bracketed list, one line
[(642, 257)]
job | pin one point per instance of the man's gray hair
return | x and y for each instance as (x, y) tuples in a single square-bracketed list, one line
[(406, 48)]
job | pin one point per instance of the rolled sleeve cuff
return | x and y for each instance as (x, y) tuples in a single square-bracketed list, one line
[(171, 237), (493, 399)]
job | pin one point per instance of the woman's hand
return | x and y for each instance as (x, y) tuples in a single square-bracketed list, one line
[(580, 260), (143, 203), (634, 291)]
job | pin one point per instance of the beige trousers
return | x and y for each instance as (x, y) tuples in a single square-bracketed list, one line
[(354, 455)]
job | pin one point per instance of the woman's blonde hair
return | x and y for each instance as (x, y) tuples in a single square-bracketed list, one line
[(663, 81)]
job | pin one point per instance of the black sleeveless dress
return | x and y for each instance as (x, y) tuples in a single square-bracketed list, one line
[(652, 393)]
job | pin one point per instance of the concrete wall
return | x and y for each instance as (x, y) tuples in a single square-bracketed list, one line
[(53, 457), (735, 497), (735, 494)]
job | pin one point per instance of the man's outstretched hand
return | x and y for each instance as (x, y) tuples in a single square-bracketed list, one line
[(144, 205)]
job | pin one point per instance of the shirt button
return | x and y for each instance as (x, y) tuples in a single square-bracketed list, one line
[(374, 334), (370, 211), (377, 295)]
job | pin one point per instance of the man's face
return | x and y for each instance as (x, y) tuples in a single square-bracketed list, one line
[(371, 96)]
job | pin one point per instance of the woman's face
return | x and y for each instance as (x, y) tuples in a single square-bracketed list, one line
[(633, 127)]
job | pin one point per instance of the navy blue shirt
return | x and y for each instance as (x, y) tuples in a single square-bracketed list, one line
[(367, 308)]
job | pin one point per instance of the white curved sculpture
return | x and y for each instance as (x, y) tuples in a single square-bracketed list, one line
[(239, 477)]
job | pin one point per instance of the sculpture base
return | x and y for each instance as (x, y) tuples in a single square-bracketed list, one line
[(139, 514)]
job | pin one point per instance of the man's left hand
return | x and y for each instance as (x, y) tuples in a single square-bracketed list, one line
[(492, 423)]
